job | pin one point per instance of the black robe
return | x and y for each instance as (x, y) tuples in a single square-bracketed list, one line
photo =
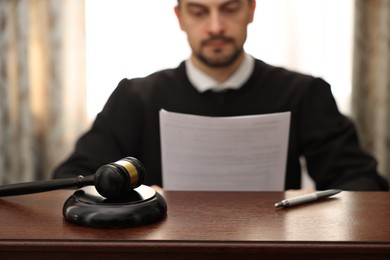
[(128, 125)]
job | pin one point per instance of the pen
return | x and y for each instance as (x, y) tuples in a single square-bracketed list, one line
[(306, 198)]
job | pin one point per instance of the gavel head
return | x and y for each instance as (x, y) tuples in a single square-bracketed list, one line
[(115, 180)]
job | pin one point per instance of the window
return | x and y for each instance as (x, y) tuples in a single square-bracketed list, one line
[(135, 38)]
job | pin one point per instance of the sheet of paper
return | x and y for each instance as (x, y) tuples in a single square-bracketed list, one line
[(244, 153)]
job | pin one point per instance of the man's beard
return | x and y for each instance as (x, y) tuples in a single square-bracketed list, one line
[(219, 62)]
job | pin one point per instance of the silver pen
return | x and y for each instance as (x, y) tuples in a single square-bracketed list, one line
[(306, 198)]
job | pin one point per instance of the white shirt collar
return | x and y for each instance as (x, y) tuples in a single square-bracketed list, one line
[(202, 82)]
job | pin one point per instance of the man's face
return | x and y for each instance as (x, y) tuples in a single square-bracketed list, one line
[(216, 29)]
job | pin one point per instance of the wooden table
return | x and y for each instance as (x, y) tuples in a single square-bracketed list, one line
[(205, 225)]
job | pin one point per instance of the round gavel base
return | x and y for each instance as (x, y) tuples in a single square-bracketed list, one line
[(87, 208)]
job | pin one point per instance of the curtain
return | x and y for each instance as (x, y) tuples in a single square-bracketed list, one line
[(42, 85), (371, 78)]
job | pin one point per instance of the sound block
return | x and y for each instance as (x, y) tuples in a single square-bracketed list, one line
[(86, 207)]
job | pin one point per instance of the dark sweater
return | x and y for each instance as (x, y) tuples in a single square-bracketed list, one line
[(129, 125)]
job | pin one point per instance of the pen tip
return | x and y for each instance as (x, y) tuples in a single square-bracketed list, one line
[(278, 205)]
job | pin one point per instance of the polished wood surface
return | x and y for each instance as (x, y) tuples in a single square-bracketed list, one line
[(209, 225)]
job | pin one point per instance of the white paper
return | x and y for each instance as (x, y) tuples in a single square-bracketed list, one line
[(243, 153)]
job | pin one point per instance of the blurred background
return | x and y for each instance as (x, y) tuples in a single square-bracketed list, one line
[(61, 59)]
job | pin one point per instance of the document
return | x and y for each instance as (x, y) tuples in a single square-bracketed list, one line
[(241, 153)]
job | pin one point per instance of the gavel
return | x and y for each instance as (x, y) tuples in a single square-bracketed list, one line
[(113, 181)]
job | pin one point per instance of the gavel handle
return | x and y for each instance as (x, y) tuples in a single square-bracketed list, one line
[(45, 185)]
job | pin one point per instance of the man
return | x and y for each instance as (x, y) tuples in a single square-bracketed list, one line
[(220, 79)]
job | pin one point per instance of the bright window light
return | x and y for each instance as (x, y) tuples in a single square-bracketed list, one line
[(127, 39)]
